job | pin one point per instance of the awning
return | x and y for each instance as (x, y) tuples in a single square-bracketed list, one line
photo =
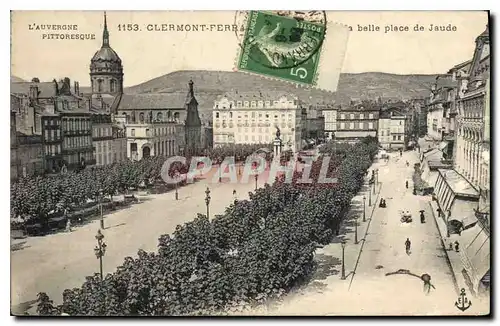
[(477, 253), (443, 145)]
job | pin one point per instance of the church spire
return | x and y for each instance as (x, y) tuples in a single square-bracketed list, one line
[(190, 94), (105, 33)]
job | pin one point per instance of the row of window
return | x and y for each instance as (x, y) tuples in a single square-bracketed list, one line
[(76, 124), (75, 142), (254, 138), (109, 158), (102, 132), (113, 85), (164, 148), (255, 104), (361, 125), (52, 135), (52, 122), (51, 150), (103, 146), (351, 116), (151, 117), (254, 115), (76, 157), (156, 131)]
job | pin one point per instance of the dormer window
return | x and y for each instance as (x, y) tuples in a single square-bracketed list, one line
[(260, 103), (217, 115), (246, 103), (239, 104)]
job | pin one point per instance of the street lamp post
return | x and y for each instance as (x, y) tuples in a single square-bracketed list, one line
[(220, 164), (207, 200), (448, 223), (100, 249), (369, 197), (342, 277), (356, 231), (100, 207), (234, 196), (176, 185), (256, 177), (364, 209)]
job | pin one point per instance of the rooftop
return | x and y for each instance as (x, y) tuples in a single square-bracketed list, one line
[(152, 101), (45, 89), (256, 95)]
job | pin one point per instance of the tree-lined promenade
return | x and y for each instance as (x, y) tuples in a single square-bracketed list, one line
[(259, 248), (38, 200)]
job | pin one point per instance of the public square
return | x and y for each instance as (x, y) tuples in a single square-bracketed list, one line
[(63, 260)]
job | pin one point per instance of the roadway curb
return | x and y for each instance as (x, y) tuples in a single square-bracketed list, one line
[(448, 261), (366, 232)]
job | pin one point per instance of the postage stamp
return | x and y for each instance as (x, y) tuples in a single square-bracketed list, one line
[(289, 45)]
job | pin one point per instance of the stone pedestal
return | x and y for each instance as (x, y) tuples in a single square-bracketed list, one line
[(278, 145)]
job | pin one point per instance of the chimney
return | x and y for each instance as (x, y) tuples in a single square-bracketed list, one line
[(77, 88), (34, 93)]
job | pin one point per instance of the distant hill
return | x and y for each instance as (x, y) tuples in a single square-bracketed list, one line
[(210, 84), (15, 79)]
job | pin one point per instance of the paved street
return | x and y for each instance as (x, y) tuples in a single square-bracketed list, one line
[(56, 262), (369, 291), (59, 261)]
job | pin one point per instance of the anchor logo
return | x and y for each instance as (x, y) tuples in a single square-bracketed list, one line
[(463, 303)]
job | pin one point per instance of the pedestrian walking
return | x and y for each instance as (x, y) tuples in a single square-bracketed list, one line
[(457, 246), (406, 184), (68, 225), (408, 246)]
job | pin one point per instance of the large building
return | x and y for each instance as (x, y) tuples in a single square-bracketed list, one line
[(102, 138), (357, 121), (330, 114), (252, 118), (52, 141), (394, 129), (471, 173), (156, 124)]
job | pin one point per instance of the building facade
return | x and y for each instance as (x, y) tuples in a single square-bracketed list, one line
[(147, 139), (30, 154), (330, 115), (356, 122), (77, 149), (471, 169), (14, 163), (252, 118), (394, 129), (119, 144), (52, 141), (102, 138)]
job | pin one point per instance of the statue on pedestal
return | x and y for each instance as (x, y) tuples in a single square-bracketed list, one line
[(278, 132)]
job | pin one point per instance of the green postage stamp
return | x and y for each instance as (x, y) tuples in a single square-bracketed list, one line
[(292, 46)]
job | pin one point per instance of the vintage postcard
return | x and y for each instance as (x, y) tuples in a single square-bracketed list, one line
[(243, 163)]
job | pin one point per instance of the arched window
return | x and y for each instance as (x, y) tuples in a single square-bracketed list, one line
[(99, 85), (231, 115), (112, 85), (141, 117), (169, 115), (176, 115), (159, 116)]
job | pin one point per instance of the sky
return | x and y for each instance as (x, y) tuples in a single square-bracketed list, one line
[(149, 54)]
